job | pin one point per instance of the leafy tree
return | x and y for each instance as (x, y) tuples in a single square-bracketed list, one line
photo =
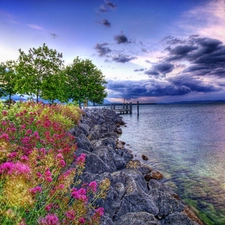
[(7, 79), (38, 72), (84, 81)]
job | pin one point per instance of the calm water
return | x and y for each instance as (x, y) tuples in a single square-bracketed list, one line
[(187, 144)]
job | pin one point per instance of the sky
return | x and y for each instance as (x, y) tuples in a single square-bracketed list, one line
[(148, 50)]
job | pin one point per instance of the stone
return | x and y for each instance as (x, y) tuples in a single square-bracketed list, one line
[(164, 200), (136, 164), (156, 175), (135, 195), (191, 215), (178, 219), (118, 130), (138, 218), (83, 142), (144, 157)]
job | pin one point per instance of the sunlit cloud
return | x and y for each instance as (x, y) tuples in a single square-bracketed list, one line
[(206, 21), (35, 26), (8, 17)]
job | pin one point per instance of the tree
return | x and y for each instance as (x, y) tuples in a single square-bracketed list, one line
[(84, 81), (38, 72), (7, 79)]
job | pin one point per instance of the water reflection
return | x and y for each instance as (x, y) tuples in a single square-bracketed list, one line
[(186, 143)]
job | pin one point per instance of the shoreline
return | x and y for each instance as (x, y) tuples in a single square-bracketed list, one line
[(135, 195)]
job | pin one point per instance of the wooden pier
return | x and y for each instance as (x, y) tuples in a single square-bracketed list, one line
[(125, 108)]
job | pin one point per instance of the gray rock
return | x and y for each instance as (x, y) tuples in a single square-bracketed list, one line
[(166, 203), (177, 218), (84, 143), (130, 199), (138, 218)]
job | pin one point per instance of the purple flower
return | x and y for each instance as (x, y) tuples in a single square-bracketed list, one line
[(93, 186)]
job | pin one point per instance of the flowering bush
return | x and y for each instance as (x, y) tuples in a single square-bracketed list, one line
[(39, 175)]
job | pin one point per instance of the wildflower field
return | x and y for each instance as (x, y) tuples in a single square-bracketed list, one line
[(39, 174)]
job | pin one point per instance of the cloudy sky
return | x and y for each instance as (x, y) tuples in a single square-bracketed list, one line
[(148, 50)]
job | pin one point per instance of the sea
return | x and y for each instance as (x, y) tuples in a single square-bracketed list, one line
[(186, 143)]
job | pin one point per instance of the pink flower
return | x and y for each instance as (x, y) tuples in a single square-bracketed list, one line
[(49, 219), (81, 159), (29, 131), (4, 136), (15, 168), (6, 167), (48, 207), (70, 214), (93, 186), (59, 156), (49, 179), (4, 113), (12, 155), (82, 220), (100, 211), (79, 194), (48, 173), (23, 126), (20, 168), (62, 163), (36, 190), (24, 158)]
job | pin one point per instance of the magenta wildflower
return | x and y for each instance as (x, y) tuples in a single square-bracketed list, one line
[(93, 186), (80, 194), (70, 214), (82, 220), (15, 168), (12, 155), (49, 219), (48, 207), (4, 113), (24, 158), (62, 163), (36, 190), (81, 159), (100, 211), (4, 136), (6, 167)]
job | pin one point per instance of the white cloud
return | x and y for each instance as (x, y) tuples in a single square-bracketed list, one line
[(35, 26), (206, 20)]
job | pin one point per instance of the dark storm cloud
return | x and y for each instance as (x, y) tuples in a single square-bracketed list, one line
[(123, 58), (194, 84), (139, 70), (121, 38), (107, 6), (102, 49), (172, 41), (110, 4), (144, 50), (205, 55), (105, 22), (54, 36), (160, 69), (178, 85)]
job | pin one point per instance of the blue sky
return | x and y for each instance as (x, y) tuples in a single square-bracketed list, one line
[(148, 50)]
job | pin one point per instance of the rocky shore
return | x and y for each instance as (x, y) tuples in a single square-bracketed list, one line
[(136, 196)]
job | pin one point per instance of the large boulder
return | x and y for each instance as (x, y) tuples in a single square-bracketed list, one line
[(138, 218)]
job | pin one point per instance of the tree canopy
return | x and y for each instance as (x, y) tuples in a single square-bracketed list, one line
[(7, 79), (38, 72), (84, 81), (41, 72)]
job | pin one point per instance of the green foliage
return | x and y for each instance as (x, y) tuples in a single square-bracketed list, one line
[(84, 81), (41, 72), (38, 72), (7, 79)]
